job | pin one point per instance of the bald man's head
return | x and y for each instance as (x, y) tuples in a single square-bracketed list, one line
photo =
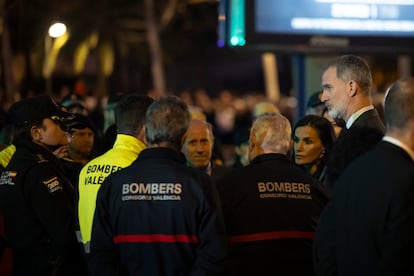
[(198, 143)]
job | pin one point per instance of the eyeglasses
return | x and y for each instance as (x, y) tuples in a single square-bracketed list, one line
[(59, 121)]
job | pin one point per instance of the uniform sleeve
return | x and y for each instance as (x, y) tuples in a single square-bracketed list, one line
[(103, 259), (49, 196), (212, 250), (324, 243)]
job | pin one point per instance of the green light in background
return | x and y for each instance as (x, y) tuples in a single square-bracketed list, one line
[(237, 26)]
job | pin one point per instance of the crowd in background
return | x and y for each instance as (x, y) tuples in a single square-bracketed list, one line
[(227, 113)]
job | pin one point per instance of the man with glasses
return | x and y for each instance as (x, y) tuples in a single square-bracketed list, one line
[(81, 138), (36, 199)]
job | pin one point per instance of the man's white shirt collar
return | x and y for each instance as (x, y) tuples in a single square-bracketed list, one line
[(356, 115), (400, 144)]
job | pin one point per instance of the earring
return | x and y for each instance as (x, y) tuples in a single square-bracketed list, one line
[(322, 153)]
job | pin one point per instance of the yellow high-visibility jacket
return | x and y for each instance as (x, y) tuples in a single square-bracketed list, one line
[(6, 154), (125, 150)]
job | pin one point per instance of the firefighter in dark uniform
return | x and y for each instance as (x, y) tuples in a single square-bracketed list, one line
[(36, 199), (270, 207), (158, 217)]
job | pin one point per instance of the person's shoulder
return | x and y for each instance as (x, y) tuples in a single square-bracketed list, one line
[(6, 154), (43, 173), (393, 156), (218, 172), (100, 157), (105, 159), (24, 159), (358, 140), (380, 155), (375, 170), (97, 160), (239, 171), (300, 175), (190, 172), (235, 176), (371, 120)]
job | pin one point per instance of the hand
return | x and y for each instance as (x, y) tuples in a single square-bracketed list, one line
[(61, 152)]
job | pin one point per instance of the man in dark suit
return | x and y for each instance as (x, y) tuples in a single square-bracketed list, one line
[(198, 146), (367, 227), (346, 83)]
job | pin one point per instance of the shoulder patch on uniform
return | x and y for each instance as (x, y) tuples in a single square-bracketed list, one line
[(7, 177), (41, 158), (53, 184)]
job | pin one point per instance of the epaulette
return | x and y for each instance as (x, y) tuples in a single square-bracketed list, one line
[(41, 158)]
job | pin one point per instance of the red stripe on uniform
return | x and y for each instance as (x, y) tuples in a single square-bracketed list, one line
[(156, 238), (271, 236)]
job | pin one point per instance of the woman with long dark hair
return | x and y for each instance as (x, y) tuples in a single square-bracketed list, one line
[(313, 138)]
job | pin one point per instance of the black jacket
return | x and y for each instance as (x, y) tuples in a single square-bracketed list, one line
[(157, 217), (367, 227), (366, 131), (271, 208), (39, 214)]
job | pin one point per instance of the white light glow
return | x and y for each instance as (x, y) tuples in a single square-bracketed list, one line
[(350, 11), (57, 30)]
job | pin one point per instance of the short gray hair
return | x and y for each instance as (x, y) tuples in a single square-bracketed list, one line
[(399, 104), (167, 120), (273, 133), (351, 67)]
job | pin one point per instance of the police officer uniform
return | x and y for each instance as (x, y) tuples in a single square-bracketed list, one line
[(38, 207), (270, 209), (5, 253), (157, 217)]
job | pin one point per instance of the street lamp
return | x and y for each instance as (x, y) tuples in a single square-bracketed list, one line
[(57, 29), (55, 38)]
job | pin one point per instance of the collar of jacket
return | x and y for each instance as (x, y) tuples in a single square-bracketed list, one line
[(41, 154), (162, 153), (129, 142), (269, 156)]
